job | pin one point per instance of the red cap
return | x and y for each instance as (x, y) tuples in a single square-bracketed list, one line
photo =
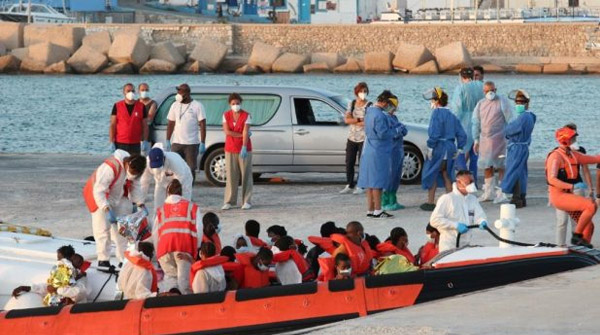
[(564, 135)]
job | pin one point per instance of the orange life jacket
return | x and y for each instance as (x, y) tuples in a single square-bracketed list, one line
[(327, 266), (234, 270), (177, 228), (324, 243), (86, 265), (88, 189), (253, 278), (568, 170), (146, 264), (428, 252), (387, 248), (360, 255), (257, 242), (206, 263), (214, 239), (301, 263)]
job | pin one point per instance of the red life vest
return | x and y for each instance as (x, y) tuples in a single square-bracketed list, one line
[(88, 189), (301, 263), (129, 127), (568, 170), (177, 228), (327, 265), (86, 265), (428, 252), (206, 263), (360, 255), (257, 242), (214, 239), (387, 248), (234, 144), (235, 271), (324, 243), (253, 278), (146, 264)]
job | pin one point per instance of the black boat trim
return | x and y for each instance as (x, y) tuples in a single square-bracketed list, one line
[(95, 307), (186, 300), (340, 285), (276, 291), (33, 312)]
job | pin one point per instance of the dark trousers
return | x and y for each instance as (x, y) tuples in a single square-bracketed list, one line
[(189, 153), (353, 150), (130, 148)]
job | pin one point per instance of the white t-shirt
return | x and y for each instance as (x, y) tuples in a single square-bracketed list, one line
[(248, 120), (186, 118)]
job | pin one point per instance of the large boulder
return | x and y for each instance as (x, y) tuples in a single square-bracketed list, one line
[(352, 66), (430, 67), (555, 68), (119, 68), (209, 54), (47, 53), (158, 66), (332, 59), (528, 68), (290, 63), (593, 69), (129, 48), (2, 49), (316, 68), (182, 49), (9, 63), (192, 67), (31, 65), (58, 68), (263, 56), (87, 60), (379, 62), (248, 70), (20, 53), (410, 56), (168, 52), (493, 68), (232, 63), (453, 56), (99, 41), (11, 34), (68, 37)]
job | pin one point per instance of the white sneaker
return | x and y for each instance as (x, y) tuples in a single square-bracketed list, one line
[(347, 190), (226, 207), (246, 206), (359, 190)]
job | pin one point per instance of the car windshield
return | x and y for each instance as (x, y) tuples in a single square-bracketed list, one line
[(342, 101)]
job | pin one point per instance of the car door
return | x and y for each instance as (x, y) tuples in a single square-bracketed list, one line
[(319, 132)]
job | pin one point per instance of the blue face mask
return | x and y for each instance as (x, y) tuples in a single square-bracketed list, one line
[(520, 109)]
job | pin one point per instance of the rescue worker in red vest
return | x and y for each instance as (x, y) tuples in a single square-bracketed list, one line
[(397, 244), (238, 153), (561, 166), (128, 124), (211, 229), (207, 275), (256, 268), (109, 193), (176, 230), (137, 278), (356, 247), (431, 248), (252, 229)]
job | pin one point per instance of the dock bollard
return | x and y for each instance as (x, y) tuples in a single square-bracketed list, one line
[(507, 224)]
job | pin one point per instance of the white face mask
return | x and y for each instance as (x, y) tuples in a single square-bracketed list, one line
[(262, 267), (144, 94), (346, 272), (362, 96), (430, 239), (471, 188), (236, 108), (433, 105), (218, 230), (130, 96), (131, 176), (491, 95), (179, 97), (243, 249), (574, 146)]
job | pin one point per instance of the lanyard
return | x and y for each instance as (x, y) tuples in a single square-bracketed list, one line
[(185, 111)]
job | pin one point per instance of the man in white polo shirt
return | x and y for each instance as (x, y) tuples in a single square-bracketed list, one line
[(186, 127)]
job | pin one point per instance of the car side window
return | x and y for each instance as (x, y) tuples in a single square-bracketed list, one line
[(315, 112)]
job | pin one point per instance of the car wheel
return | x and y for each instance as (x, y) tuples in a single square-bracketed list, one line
[(412, 167), (215, 168)]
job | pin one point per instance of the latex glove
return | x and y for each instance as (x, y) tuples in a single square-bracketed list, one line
[(462, 228), (110, 216), (429, 154), (580, 186), (483, 225), (113, 147), (458, 153), (476, 147), (145, 148), (202, 148), (244, 152), (167, 145)]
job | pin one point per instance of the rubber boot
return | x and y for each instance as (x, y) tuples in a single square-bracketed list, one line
[(394, 205), (385, 200), (488, 190)]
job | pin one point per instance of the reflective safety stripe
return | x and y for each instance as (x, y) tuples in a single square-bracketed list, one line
[(187, 218), (178, 231)]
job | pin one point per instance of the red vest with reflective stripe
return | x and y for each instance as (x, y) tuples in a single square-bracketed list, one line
[(360, 255), (206, 263), (253, 278), (88, 189), (214, 239), (129, 127), (177, 228), (234, 144), (387, 248)]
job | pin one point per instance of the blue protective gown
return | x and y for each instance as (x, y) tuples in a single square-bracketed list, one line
[(463, 102), (397, 155), (376, 158), (518, 135), (445, 134)]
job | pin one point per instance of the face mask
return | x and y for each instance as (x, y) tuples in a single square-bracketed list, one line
[(243, 249), (574, 146), (131, 176), (144, 94), (362, 96), (491, 95), (430, 239), (218, 230), (179, 97), (346, 272), (520, 109), (236, 108), (130, 96), (471, 188), (262, 267), (433, 105)]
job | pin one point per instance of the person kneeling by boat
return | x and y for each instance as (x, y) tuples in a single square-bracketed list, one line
[(207, 275), (356, 247), (397, 244), (457, 210), (431, 248), (137, 278), (256, 268), (176, 231)]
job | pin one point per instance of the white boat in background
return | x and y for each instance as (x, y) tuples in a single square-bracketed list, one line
[(40, 13)]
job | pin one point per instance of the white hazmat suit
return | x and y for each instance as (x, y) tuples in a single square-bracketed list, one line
[(174, 168), (136, 281)]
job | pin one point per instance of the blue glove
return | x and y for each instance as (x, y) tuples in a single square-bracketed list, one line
[(462, 228), (580, 186), (244, 152), (110, 216), (202, 148), (461, 162), (113, 147), (167, 145), (145, 148), (483, 225)]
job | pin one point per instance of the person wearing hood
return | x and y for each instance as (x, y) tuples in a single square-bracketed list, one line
[(457, 210), (243, 243), (129, 124)]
